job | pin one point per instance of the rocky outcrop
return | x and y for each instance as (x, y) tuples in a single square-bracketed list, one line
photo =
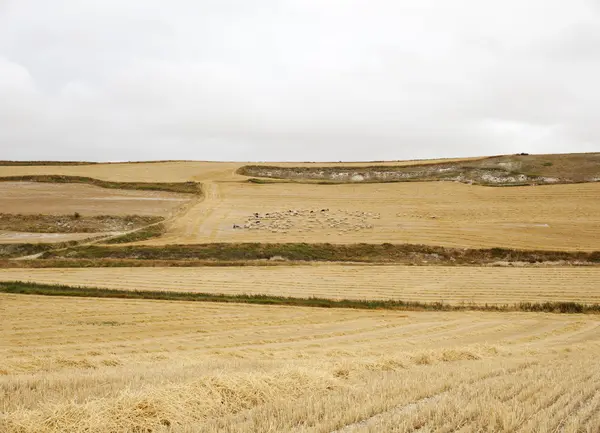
[(439, 172)]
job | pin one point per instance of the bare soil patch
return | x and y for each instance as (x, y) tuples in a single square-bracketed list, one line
[(44, 238)]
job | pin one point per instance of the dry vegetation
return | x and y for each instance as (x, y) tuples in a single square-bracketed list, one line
[(10, 250), (129, 365), (367, 253), (450, 285)]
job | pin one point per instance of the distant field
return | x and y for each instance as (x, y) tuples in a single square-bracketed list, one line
[(557, 217), (61, 199), (454, 285), (117, 365), (176, 171), (48, 210)]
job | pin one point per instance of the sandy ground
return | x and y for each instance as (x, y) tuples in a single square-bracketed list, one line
[(558, 217), (409, 283), (100, 365), (24, 237)]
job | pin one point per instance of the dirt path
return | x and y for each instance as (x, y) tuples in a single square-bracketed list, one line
[(193, 223)]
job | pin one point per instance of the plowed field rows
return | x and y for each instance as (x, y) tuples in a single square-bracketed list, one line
[(104, 365), (558, 217), (479, 285)]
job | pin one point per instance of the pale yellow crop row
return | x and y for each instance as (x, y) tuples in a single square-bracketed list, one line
[(478, 285)]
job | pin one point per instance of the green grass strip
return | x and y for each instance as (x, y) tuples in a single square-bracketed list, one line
[(325, 252)]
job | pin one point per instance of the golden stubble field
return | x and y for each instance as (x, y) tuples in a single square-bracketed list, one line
[(451, 285), (558, 217), (102, 365)]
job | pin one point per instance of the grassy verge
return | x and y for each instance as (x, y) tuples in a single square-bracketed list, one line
[(368, 253), (8, 251), (150, 232), (179, 187), (133, 263), (18, 287), (74, 223)]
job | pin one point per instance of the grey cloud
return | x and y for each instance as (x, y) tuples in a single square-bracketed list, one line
[(297, 80)]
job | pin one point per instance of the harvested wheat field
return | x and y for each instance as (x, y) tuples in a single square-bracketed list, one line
[(453, 285), (102, 365), (67, 198), (557, 217)]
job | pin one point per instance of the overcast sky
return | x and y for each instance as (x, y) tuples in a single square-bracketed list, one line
[(297, 79)]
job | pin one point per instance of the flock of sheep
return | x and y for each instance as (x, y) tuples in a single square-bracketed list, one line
[(306, 220)]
